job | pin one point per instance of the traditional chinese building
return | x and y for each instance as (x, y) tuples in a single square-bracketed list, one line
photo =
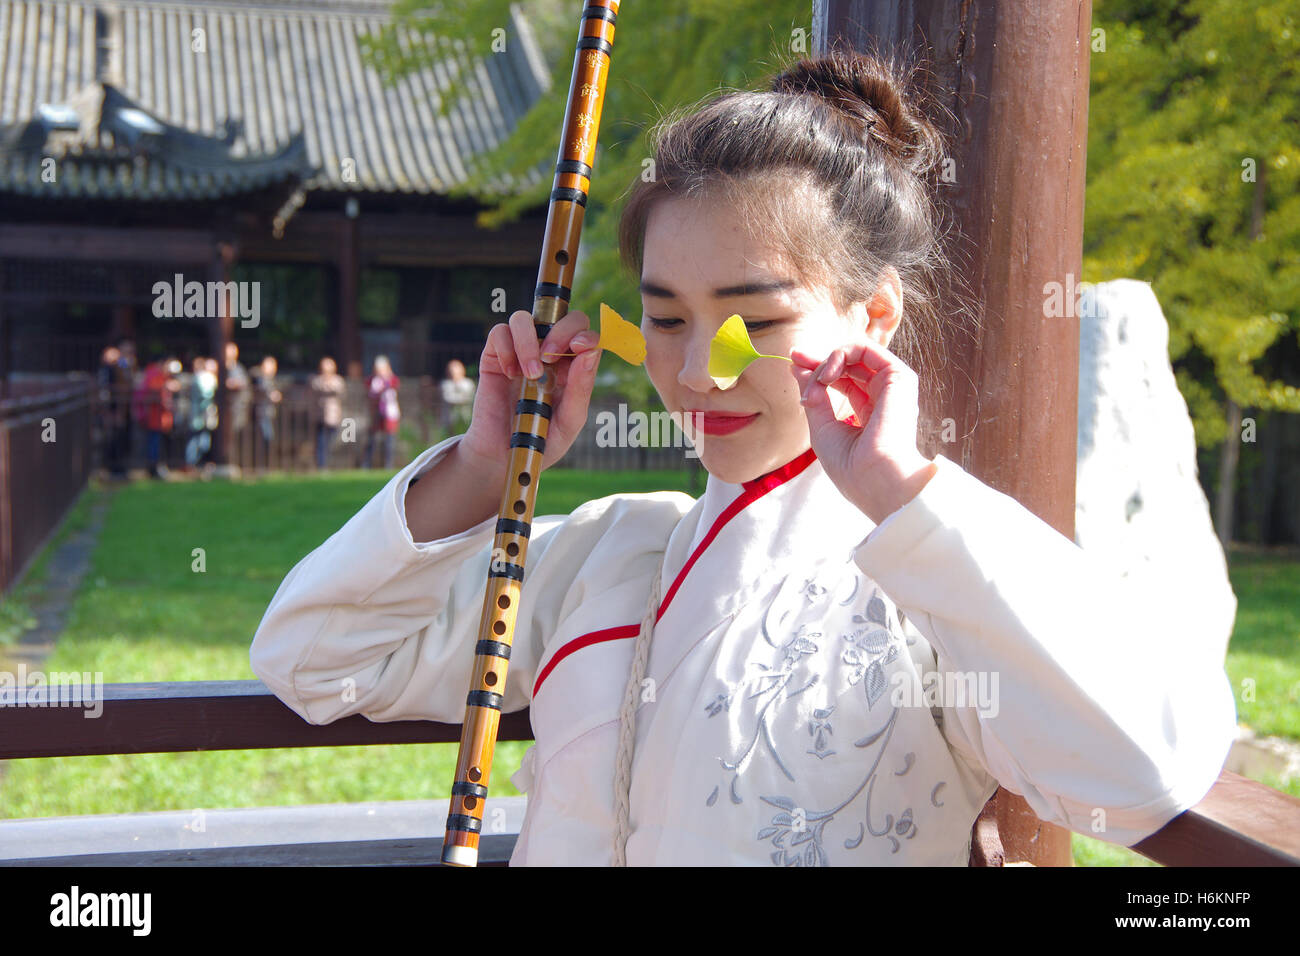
[(151, 144)]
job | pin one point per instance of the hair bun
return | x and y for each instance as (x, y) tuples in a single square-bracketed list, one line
[(873, 93)]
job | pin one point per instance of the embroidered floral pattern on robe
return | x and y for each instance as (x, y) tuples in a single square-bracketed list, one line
[(793, 657)]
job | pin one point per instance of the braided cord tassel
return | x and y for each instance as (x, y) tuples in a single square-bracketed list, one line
[(627, 722)]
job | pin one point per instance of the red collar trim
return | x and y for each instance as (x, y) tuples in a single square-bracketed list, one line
[(586, 640), (754, 490), (780, 476)]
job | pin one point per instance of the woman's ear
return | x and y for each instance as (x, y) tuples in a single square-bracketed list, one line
[(885, 310)]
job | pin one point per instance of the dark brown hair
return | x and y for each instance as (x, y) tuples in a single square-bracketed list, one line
[(837, 166)]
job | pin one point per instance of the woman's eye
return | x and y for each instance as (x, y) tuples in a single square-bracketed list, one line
[(758, 325)]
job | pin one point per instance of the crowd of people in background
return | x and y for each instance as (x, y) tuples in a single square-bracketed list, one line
[(165, 406)]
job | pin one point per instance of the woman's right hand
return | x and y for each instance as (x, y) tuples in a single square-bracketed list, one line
[(513, 352)]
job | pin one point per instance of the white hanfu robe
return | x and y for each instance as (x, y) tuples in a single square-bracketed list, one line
[(820, 690)]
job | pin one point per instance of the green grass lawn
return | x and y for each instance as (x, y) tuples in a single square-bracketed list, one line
[(145, 614), (1264, 658)]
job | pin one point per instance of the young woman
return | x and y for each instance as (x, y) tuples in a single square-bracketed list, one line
[(328, 387), (384, 411), (840, 650), (203, 411)]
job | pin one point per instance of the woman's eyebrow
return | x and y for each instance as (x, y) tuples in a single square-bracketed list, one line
[(766, 287)]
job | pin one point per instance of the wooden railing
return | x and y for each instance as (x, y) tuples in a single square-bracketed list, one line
[(225, 715), (45, 459), (1239, 823)]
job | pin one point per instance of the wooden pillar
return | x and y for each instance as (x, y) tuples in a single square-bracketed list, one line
[(348, 273), (123, 310), (8, 564), (220, 333), (1015, 75), (6, 340), (437, 346)]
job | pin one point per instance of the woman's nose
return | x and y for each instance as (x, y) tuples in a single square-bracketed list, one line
[(695, 365)]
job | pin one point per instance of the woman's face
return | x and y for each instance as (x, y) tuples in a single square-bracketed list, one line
[(699, 268)]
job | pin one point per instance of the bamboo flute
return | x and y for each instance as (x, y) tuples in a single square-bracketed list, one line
[(564, 219)]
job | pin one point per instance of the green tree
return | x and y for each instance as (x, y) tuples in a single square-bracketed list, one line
[(1193, 164), (667, 54), (1193, 155)]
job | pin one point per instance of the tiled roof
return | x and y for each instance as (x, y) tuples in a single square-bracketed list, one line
[(277, 88), (106, 146)]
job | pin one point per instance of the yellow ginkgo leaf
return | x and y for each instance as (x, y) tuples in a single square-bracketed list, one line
[(621, 337), (617, 335), (731, 352)]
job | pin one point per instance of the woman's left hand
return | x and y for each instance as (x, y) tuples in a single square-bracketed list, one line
[(872, 457)]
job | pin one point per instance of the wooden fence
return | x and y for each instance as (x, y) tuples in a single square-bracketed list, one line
[(45, 459), (1238, 823)]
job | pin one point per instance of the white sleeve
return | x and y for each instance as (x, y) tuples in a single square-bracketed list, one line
[(1113, 712), (372, 622)]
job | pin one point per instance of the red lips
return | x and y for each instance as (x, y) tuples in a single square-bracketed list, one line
[(719, 423)]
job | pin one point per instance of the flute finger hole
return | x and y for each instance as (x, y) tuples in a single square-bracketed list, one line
[(520, 507), (470, 803), (512, 549), (475, 774), (503, 601), (499, 628), (525, 478), (490, 679), (562, 257)]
